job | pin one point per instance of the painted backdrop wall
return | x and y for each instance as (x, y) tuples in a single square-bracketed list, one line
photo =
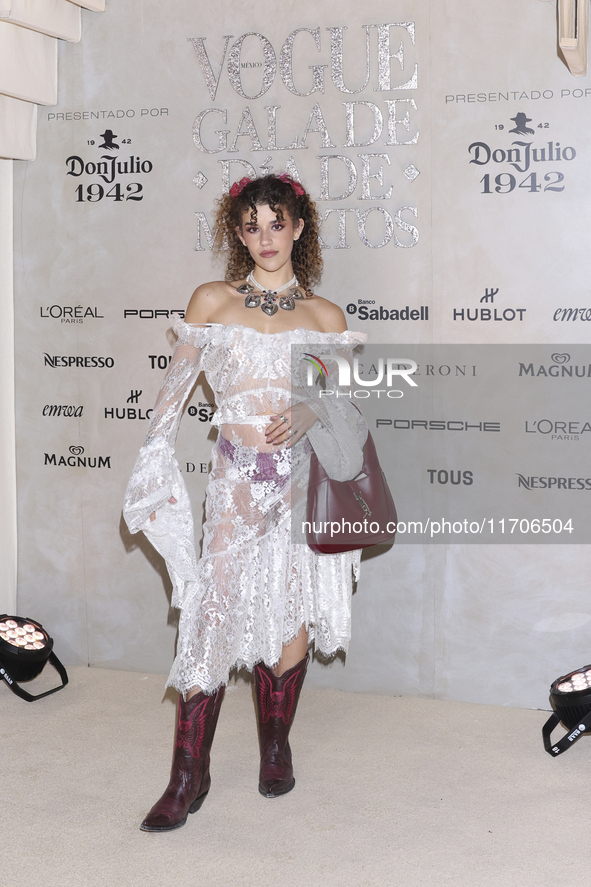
[(452, 172)]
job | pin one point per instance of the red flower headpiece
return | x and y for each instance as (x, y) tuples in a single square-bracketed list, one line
[(289, 181), (238, 187)]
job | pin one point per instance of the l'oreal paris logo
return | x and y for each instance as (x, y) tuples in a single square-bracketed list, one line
[(69, 313), (390, 367)]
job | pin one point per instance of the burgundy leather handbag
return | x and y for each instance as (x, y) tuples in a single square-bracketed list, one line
[(350, 514)]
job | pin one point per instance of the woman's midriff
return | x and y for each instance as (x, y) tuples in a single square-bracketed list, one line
[(265, 464), (250, 431)]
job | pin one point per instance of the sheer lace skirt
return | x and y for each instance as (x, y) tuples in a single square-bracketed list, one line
[(254, 589)]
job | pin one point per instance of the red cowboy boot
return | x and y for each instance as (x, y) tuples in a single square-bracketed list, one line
[(277, 699), (189, 779)]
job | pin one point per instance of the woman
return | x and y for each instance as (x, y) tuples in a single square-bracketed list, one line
[(254, 598)]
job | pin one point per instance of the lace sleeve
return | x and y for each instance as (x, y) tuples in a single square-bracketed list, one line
[(339, 436), (156, 477)]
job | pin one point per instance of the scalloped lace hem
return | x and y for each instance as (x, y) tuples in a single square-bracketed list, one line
[(341, 645)]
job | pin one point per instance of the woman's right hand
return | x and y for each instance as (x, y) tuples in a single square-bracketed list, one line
[(172, 501)]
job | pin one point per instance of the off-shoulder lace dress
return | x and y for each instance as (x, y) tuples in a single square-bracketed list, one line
[(252, 589)]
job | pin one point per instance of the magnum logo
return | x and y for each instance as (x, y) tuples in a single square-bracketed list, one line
[(559, 368), (76, 459)]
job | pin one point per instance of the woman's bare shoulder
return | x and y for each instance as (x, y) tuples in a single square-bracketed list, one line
[(329, 317), (206, 300)]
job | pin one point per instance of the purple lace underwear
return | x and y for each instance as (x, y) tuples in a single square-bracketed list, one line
[(266, 465)]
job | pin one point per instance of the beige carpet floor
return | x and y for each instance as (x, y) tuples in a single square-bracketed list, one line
[(390, 791)]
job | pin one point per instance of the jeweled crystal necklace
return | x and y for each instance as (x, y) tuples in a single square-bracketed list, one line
[(269, 297)]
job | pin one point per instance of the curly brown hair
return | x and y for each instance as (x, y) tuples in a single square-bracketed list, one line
[(280, 193)]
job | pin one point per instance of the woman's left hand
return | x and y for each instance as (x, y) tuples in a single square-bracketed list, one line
[(291, 425)]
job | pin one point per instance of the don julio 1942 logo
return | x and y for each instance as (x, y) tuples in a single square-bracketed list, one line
[(528, 164), (110, 170)]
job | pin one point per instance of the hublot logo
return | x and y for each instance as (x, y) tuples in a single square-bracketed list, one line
[(486, 314), (129, 412)]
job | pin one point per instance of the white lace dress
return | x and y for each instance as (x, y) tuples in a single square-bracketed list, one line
[(252, 589)]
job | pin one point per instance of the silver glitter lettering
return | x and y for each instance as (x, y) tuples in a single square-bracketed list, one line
[(249, 171), (316, 123), (221, 133), (404, 226), (292, 170), (211, 79), (251, 131), (272, 131), (324, 179), (269, 67), (336, 59), (266, 166), (203, 225), (393, 122), (286, 63), (384, 56), (342, 217), (378, 124), (379, 176), (362, 221)]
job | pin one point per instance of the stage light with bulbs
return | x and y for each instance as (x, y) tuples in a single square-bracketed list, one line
[(25, 647), (570, 698)]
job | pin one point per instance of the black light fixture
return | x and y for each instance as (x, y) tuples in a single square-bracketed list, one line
[(570, 698), (25, 647)]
